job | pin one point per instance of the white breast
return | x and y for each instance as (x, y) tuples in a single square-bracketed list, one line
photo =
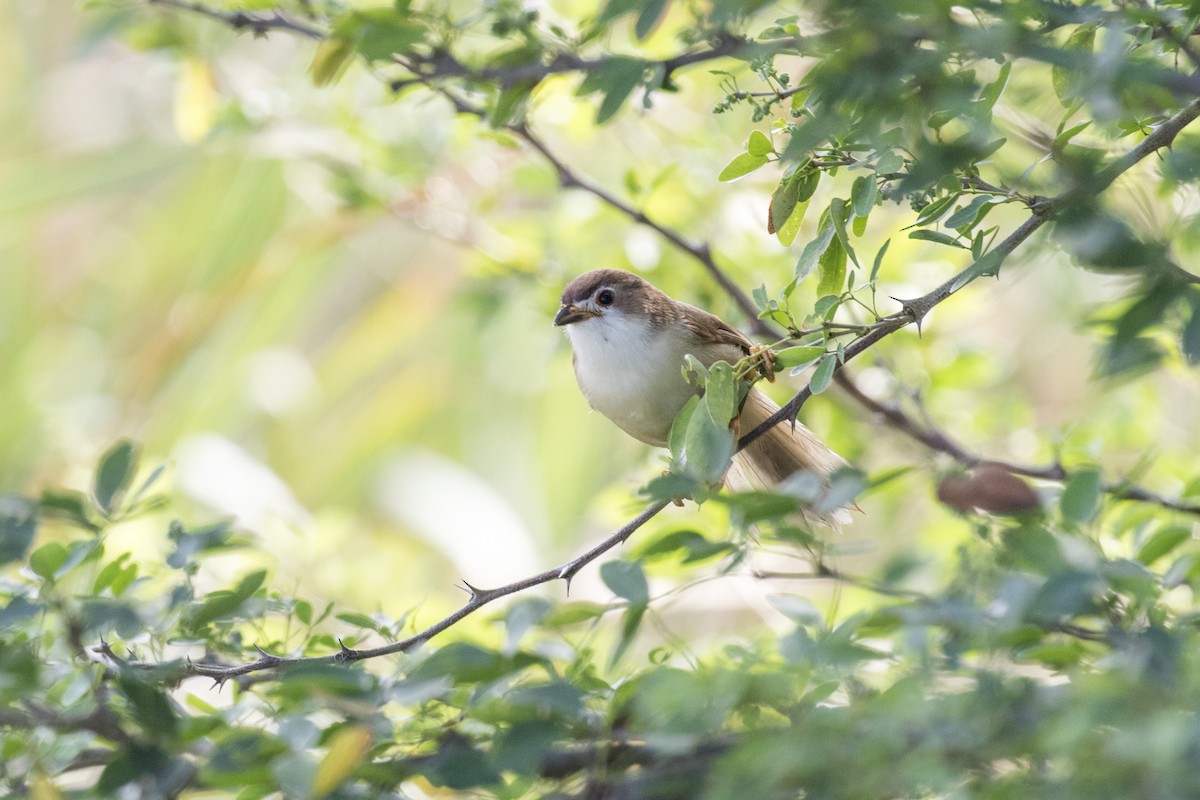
[(631, 373)]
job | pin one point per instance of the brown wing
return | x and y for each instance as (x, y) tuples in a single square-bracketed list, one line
[(711, 329)]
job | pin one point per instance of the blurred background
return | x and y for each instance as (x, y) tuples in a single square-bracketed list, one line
[(327, 310)]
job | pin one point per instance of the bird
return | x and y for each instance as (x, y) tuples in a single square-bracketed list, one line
[(629, 341)]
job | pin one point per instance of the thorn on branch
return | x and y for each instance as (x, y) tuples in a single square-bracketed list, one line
[(345, 655), (266, 658), (471, 590)]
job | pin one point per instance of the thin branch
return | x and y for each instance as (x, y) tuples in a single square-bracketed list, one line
[(478, 599), (101, 721), (823, 572), (440, 64), (936, 439), (259, 23), (569, 178), (698, 250), (781, 94), (941, 442)]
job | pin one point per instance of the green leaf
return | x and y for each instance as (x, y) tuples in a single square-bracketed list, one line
[(789, 204), (379, 34), (759, 144), (616, 79), (819, 381), (832, 269), (626, 580), (707, 448), (510, 105), (786, 232), (225, 603), (798, 609), (466, 663), (304, 611), (838, 212), (46, 560), (1162, 542), (1066, 136), (678, 434), (1079, 43), (749, 508), (813, 251), (109, 574), (934, 211), (124, 579), (760, 297), (989, 264), (991, 92), (188, 544), (572, 614), (1066, 594), (631, 620), (743, 164), (797, 356), (113, 476), (150, 705), (68, 505), (879, 259), (693, 546), (134, 762), (971, 213), (936, 236), (18, 525), (1190, 341), (863, 195), (826, 305), (651, 14), (1081, 496), (720, 393), (358, 620)]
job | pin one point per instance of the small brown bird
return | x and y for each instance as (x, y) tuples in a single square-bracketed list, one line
[(630, 340)]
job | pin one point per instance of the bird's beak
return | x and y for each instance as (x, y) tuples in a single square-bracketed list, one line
[(568, 314)]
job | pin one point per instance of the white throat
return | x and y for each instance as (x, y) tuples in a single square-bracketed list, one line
[(631, 372)]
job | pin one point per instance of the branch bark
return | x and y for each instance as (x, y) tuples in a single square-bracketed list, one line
[(941, 442)]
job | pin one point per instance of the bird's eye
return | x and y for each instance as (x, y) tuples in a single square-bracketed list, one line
[(605, 297)]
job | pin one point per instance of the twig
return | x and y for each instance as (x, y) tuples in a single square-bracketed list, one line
[(568, 178), (102, 721), (821, 572), (441, 64), (940, 441), (260, 24), (781, 94)]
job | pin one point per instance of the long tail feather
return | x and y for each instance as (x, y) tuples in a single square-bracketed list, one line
[(779, 453)]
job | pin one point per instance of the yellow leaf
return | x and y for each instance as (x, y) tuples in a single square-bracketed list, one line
[(330, 56), (347, 748), (787, 233), (195, 101), (40, 788)]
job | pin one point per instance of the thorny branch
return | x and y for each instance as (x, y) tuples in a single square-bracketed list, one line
[(912, 312)]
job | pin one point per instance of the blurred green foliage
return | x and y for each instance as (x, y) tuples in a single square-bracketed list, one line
[(311, 273)]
